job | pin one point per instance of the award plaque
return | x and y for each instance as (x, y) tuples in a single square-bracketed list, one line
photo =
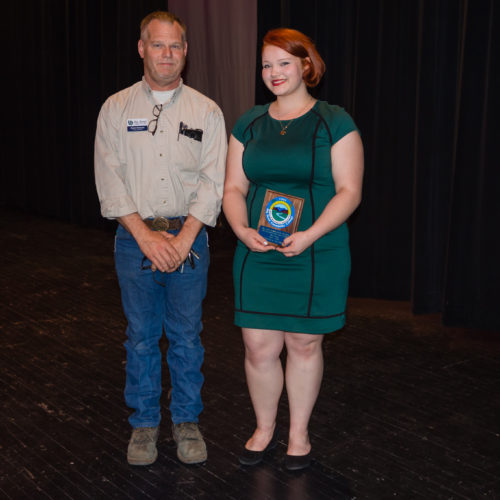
[(279, 217)]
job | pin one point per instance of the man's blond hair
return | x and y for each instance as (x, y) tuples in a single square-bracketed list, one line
[(163, 16)]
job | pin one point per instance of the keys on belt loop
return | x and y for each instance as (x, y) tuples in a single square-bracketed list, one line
[(191, 256), (189, 259)]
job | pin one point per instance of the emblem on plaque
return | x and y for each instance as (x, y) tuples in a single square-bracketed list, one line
[(280, 216)]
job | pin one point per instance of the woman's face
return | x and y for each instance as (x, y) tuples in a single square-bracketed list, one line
[(281, 71)]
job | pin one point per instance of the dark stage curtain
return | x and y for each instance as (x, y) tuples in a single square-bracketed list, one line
[(64, 58), (420, 79)]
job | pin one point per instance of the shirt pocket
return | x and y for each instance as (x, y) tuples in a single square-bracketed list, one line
[(189, 153)]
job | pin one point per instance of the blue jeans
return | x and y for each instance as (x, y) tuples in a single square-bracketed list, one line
[(153, 303)]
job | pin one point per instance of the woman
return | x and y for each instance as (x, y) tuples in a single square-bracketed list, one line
[(290, 294)]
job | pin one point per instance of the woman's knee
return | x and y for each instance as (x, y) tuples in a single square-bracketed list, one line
[(261, 349), (304, 345)]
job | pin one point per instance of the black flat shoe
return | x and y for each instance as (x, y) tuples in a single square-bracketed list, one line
[(250, 457), (297, 462)]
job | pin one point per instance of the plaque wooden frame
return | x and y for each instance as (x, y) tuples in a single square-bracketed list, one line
[(275, 235)]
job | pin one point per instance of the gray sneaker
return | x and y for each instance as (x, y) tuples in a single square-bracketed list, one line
[(191, 448), (142, 446)]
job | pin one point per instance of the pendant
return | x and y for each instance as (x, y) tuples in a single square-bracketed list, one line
[(283, 132)]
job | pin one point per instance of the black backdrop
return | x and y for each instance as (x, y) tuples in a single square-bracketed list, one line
[(64, 58), (420, 78)]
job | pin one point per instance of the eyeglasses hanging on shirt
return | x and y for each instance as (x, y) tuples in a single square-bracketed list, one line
[(153, 124)]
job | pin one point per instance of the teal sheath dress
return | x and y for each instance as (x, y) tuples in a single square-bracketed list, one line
[(306, 293)]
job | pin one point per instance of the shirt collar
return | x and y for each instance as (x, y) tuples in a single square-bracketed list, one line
[(149, 92)]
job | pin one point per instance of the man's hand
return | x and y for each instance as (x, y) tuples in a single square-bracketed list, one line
[(158, 248), (165, 251), (155, 245), (179, 245), (183, 241)]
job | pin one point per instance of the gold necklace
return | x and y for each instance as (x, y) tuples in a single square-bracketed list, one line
[(283, 128)]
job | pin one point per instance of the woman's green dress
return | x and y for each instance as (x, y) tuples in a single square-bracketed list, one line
[(306, 293)]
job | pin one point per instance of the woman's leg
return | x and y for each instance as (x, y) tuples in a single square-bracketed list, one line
[(265, 381), (304, 371)]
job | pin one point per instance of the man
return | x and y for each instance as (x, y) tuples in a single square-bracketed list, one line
[(159, 164)]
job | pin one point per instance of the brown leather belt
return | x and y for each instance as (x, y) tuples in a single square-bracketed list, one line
[(163, 223)]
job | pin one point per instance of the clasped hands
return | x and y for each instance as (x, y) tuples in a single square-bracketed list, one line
[(165, 251), (293, 245)]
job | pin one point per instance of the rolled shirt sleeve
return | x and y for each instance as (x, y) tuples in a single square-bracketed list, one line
[(207, 203)]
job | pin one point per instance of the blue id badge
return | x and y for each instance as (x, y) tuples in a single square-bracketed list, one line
[(137, 124)]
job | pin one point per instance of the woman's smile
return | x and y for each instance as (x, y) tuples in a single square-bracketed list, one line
[(277, 82)]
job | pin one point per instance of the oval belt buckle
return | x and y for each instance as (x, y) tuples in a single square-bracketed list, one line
[(160, 224)]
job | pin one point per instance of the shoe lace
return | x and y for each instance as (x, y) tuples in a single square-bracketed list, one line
[(189, 430), (144, 435)]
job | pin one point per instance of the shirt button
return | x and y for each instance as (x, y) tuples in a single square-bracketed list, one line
[(161, 154)]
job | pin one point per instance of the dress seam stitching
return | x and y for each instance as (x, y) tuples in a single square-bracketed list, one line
[(244, 311)]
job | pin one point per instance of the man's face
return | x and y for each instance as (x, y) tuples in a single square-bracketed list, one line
[(164, 54)]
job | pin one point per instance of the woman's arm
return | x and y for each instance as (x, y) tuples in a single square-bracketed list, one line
[(234, 201), (347, 172)]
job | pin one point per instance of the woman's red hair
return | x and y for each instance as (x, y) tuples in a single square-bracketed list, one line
[(299, 45)]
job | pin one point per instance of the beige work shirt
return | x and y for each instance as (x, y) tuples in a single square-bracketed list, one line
[(167, 174)]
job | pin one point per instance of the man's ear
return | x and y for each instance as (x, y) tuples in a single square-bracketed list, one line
[(140, 48)]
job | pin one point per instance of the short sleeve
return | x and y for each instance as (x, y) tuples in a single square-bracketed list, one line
[(239, 128), (340, 122), (245, 120)]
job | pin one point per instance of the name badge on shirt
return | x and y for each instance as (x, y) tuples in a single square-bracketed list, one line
[(137, 124)]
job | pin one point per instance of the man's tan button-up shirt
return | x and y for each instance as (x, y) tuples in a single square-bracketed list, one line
[(177, 171)]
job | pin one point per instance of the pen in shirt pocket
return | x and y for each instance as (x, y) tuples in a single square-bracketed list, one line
[(193, 133)]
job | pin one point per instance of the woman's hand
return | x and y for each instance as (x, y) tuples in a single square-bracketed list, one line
[(254, 241), (295, 244)]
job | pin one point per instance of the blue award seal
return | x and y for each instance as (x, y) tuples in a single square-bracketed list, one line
[(280, 212)]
